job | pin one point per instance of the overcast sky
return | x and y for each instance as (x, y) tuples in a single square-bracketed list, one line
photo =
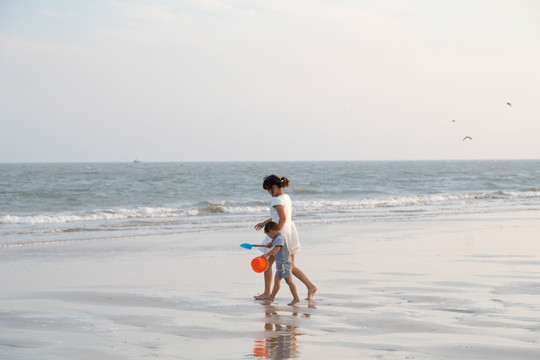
[(173, 80)]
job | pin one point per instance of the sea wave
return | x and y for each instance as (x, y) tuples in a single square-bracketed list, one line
[(302, 208), (307, 191), (413, 200), (109, 214), (231, 207)]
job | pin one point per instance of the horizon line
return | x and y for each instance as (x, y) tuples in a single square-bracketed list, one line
[(251, 161)]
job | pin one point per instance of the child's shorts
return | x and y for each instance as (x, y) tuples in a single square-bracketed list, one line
[(283, 270)]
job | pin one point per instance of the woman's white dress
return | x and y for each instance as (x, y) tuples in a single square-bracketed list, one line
[(289, 229)]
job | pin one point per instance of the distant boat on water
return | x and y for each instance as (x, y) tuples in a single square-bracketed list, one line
[(137, 161)]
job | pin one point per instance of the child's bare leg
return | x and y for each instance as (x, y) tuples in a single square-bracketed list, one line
[(312, 289), (267, 281), (277, 286), (294, 292)]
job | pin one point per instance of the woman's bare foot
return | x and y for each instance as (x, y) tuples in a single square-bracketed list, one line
[(311, 292), (294, 302), (262, 296)]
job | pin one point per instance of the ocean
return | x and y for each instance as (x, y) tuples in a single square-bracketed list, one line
[(44, 203)]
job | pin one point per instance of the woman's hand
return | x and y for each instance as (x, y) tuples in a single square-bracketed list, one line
[(261, 225)]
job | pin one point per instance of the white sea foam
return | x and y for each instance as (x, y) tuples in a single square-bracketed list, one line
[(116, 214), (302, 208), (405, 201)]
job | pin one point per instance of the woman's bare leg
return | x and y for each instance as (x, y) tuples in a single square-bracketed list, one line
[(312, 289), (268, 275)]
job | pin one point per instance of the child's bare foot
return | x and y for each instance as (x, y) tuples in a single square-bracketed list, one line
[(311, 293), (294, 302), (262, 296)]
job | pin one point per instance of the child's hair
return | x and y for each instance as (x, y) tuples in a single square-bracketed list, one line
[(271, 226), (272, 180)]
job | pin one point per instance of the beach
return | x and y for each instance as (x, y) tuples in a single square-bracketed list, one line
[(143, 142), (452, 287)]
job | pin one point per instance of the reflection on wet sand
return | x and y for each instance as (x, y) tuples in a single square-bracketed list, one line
[(279, 340)]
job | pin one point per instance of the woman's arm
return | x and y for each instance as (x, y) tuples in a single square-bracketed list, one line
[(282, 217)]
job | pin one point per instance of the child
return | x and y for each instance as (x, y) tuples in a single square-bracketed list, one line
[(283, 261)]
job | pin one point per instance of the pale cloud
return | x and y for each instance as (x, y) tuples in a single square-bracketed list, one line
[(59, 14), (184, 80), (172, 9), (147, 12)]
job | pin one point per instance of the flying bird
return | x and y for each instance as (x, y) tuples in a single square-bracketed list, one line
[(453, 120), (509, 104), (467, 137)]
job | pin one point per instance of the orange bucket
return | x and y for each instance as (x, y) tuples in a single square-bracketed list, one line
[(259, 264), (260, 350)]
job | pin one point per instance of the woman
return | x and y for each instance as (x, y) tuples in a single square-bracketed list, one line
[(281, 213)]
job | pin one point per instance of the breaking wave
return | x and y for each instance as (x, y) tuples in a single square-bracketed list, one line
[(302, 208), (116, 214)]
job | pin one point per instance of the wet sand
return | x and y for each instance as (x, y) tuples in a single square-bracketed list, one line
[(464, 287)]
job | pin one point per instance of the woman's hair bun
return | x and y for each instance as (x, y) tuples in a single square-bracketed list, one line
[(272, 180)]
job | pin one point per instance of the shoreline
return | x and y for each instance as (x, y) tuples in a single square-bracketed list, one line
[(449, 288)]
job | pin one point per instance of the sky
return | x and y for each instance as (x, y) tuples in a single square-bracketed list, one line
[(269, 80)]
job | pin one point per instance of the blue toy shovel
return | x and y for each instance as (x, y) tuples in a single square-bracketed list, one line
[(249, 246)]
